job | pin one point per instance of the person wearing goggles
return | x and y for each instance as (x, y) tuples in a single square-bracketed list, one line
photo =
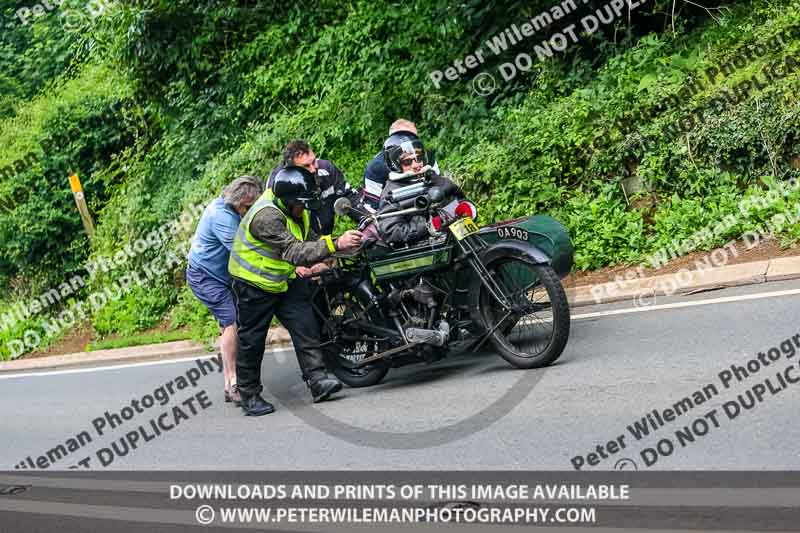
[(407, 160), (376, 173)]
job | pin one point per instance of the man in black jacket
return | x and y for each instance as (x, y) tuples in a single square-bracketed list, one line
[(331, 181)]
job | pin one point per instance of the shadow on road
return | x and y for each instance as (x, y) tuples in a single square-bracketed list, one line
[(452, 368)]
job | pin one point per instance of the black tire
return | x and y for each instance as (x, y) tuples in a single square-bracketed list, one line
[(366, 376), (536, 278), (336, 357)]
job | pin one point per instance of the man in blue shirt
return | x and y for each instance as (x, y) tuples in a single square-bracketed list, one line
[(207, 273)]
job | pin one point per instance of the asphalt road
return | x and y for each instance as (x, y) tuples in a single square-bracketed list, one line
[(469, 412)]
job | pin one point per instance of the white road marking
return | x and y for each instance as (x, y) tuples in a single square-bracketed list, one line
[(117, 367), (100, 368), (677, 305)]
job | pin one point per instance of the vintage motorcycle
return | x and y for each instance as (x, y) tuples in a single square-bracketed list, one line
[(382, 307)]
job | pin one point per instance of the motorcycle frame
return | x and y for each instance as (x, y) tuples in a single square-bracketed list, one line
[(473, 251)]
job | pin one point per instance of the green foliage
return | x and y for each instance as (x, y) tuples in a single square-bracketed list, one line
[(76, 128), (138, 339), (142, 308), (603, 231), (15, 333), (187, 95), (191, 314), (32, 55)]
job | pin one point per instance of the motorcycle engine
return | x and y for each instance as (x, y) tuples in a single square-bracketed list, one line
[(416, 300)]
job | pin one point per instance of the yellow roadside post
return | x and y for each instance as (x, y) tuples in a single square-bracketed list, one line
[(80, 201)]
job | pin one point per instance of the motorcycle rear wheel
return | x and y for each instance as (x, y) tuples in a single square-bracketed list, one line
[(535, 332), (365, 376), (336, 357)]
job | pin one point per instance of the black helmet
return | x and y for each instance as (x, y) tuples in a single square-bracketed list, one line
[(402, 144), (296, 184)]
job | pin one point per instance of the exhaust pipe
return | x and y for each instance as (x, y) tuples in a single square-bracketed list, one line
[(435, 337)]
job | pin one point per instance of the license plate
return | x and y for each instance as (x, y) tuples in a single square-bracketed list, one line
[(511, 232), (463, 228)]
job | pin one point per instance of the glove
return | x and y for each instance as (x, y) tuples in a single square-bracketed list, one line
[(465, 209)]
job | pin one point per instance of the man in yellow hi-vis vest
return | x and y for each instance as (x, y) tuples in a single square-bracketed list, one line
[(273, 253)]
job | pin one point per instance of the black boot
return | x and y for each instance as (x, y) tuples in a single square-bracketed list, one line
[(323, 386), (256, 406)]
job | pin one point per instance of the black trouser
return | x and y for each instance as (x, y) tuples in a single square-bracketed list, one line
[(255, 311)]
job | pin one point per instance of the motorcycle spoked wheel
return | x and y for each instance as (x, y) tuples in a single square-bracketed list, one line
[(535, 334), (338, 356)]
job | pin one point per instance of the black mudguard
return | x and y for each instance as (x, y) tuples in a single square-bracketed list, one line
[(518, 249)]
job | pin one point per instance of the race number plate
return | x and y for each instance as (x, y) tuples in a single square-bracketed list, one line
[(511, 232), (464, 228)]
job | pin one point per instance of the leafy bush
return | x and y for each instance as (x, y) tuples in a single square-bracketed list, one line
[(77, 128), (187, 95), (140, 309), (192, 314), (603, 231)]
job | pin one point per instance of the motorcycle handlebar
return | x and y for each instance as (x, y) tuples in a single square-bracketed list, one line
[(428, 197)]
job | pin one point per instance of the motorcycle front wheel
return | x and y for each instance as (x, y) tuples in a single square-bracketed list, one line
[(531, 329)]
